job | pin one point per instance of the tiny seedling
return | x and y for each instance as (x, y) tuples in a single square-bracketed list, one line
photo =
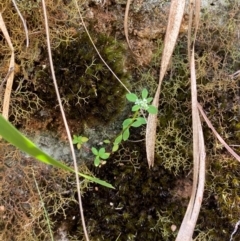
[(79, 140), (100, 155), (141, 105)]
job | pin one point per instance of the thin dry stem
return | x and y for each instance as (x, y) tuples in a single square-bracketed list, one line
[(10, 78), (64, 120), (98, 53), (230, 150), (126, 22), (190, 219), (189, 222), (23, 21)]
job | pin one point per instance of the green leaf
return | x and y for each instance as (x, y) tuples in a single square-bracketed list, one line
[(131, 97), (115, 147), (126, 134), (84, 139), (144, 93), (97, 161), (105, 155), (118, 139), (106, 141), (16, 138), (149, 99), (79, 139), (152, 109), (94, 151), (96, 180), (101, 151), (135, 108), (140, 121), (79, 146), (75, 139), (136, 124), (127, 123)]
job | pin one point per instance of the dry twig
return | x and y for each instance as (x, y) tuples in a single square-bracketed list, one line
[(64, 120), (10, 77)]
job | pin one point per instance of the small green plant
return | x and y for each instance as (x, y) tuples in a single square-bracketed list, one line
[(79, 140), (100, 155), (140, 105)]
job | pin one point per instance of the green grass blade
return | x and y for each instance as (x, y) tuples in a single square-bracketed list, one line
[(16, 138)]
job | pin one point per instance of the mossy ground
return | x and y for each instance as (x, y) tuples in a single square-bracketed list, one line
[(90, 93), (147, 204)]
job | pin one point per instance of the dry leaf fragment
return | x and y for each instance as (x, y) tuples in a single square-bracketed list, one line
[(190, 218), (173, 27)]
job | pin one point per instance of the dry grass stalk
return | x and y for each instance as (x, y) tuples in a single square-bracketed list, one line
[(173, 27), (64, 120), (194, 206), (126, 23), (10, 77), (125, 26), (229, 149)]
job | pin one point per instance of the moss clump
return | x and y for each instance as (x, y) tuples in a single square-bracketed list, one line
[(217, 57), (132, 210), (220, 210), (173, 140), (24, 102), (88, 89)]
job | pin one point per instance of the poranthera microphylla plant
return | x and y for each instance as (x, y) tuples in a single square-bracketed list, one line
[(141, 105)]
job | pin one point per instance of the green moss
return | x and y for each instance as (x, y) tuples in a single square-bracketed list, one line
[(217, 55), (131, 212), (90, 92)]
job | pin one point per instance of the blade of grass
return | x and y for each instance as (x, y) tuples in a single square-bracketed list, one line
[(16, 138), (173, 27)]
